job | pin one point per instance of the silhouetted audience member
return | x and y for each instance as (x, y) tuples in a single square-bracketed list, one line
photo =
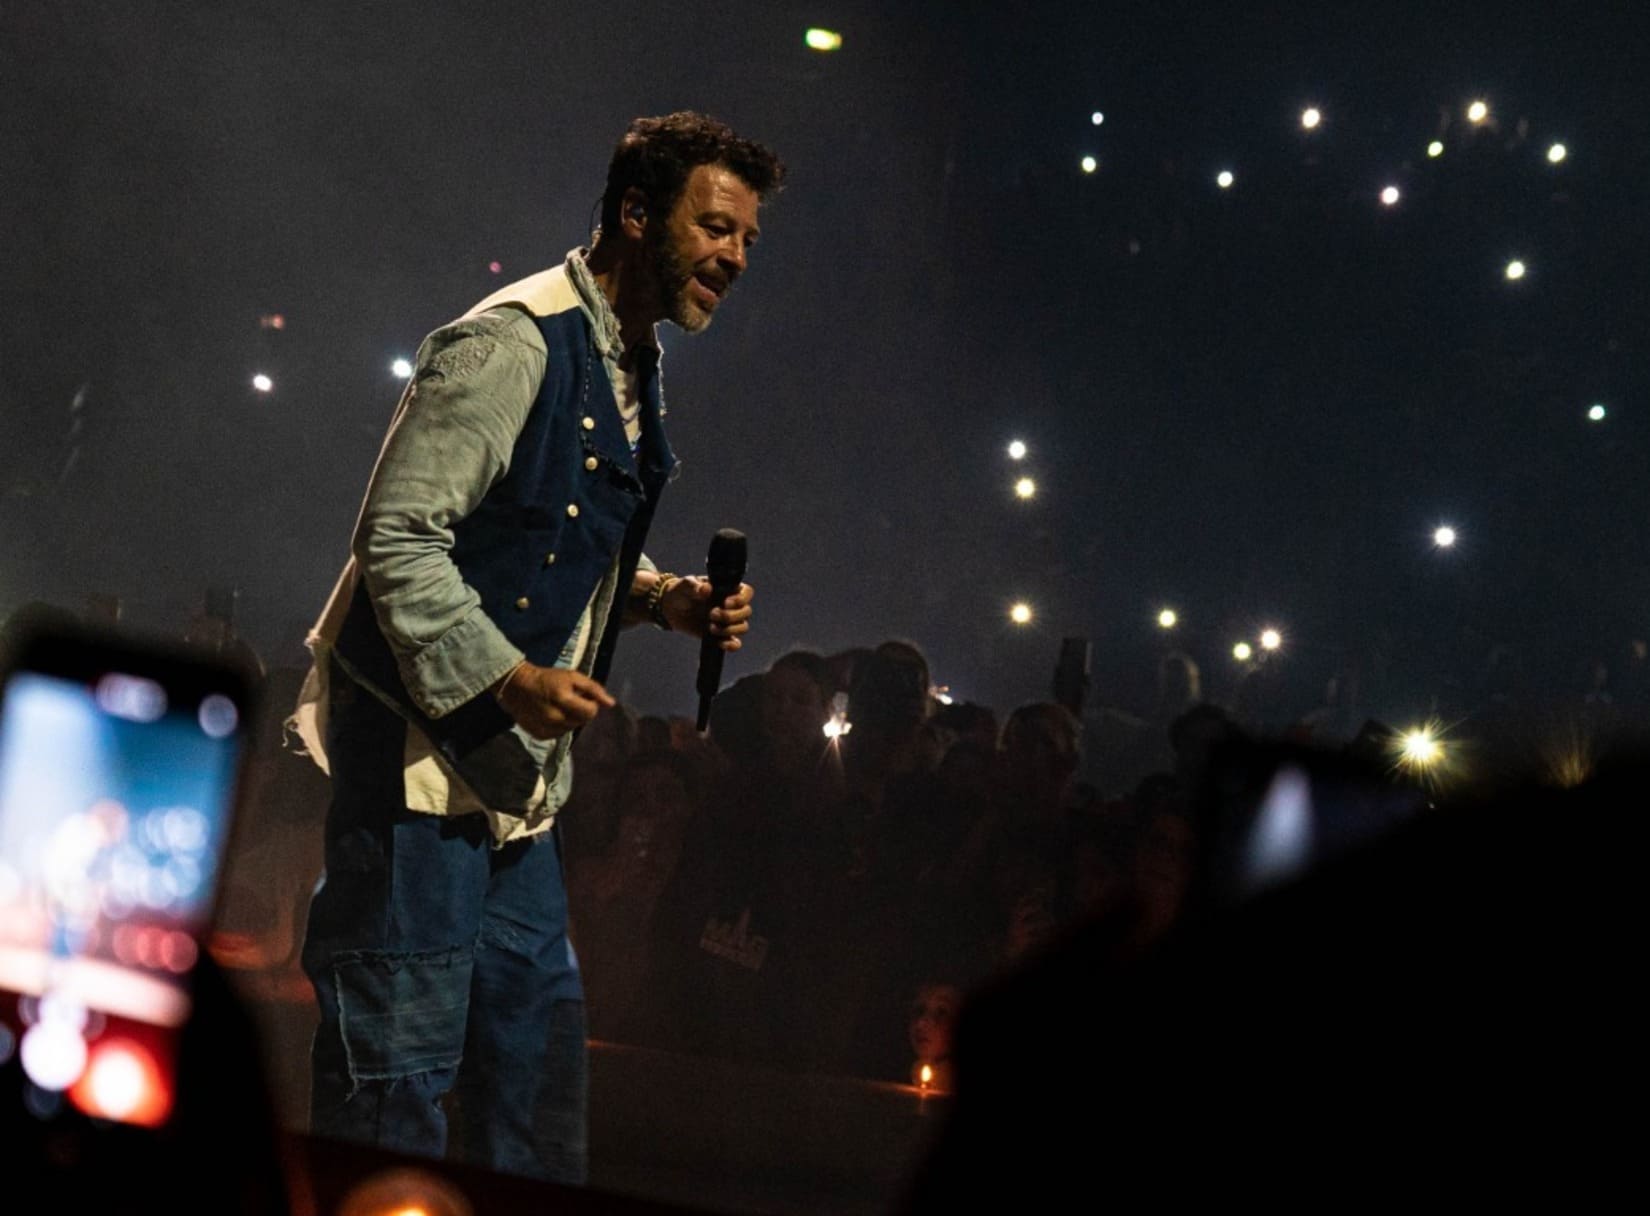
[(1429, 1013)]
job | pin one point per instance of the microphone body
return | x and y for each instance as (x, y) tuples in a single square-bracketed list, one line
[(725, 567)]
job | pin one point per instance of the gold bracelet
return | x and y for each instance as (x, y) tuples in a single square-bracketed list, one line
[(656, 596)]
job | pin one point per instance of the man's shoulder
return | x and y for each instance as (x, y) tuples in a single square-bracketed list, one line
[(544, 294)]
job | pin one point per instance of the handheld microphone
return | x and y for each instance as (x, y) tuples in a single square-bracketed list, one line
[(725, 567)]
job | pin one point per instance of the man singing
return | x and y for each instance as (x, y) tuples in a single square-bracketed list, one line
[(496, 558)]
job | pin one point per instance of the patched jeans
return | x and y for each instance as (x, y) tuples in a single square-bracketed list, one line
[(448, 991)]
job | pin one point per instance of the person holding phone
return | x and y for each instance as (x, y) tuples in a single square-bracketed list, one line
[(497, 556)]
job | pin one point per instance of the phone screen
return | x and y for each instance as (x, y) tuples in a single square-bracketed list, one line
[(118, 779)]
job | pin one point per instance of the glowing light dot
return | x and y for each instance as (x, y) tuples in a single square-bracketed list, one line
[(1223, 179), (1478, 111), (1596, 414), (926, 1075), (1097, 118), (1311, 117), (1444, 537), (495, 267), (1515, 270), (1242, 652), (1390, 195), (1025, 487), (1271, 639), (1168, 618), (822, 40), (1020, 614), (262, 383), (1017, 450), (1435, 149), (1420, 747), (1557, 153), (401, 369), (1089, 164)]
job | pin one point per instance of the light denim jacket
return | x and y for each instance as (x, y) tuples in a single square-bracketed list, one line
[(452, 442)]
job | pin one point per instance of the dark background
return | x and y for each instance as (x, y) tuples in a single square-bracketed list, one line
[(1254, 405)]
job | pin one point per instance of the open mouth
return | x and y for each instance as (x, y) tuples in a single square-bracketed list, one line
[(707, 290)]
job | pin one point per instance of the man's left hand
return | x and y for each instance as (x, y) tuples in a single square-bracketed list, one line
[(687, 606)]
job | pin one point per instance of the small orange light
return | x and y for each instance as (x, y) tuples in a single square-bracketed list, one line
[(927, 1074)]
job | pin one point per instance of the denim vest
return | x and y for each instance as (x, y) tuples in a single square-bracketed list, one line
[(540, 541)]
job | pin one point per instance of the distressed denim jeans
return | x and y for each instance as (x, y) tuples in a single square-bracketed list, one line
[(452, 1015)]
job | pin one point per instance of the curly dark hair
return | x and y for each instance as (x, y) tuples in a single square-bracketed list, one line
[(655, 155)]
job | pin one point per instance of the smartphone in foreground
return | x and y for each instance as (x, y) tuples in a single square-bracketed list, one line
[(120, 766)]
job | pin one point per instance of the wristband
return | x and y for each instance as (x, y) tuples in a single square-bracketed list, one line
[(656, 597)]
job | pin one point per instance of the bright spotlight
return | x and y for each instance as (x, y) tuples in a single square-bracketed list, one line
[(1097, 118), (1271, 640), (1597, 412), (1390, 195), (1557, 153), (401, 369), (1311, 117), (1017, 450), (1242, 652), (1168, 618), (1478, 111), (1515, 270), (1025, 487), (1435, 149), (823, 40), (1223, 179), (1444, 537), (1020, 614), (262, 383), (1420, 748), (1089, 164)]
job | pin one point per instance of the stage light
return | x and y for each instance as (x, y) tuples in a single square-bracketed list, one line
[(1515, 270), (262, 383), (1390, 195), (1444, 536), (1097, 118), (1089, 164), (1020, 614), (1557, 153), (1271, 639), (1478, 111), (822, 40), (1597, 412), (1017, 450), (836, 727), (1420, 748), (1435, 149), (401, 369), (1025, 487), (1242, 652), (1311, 117), (1223, 179), (1168, 618)]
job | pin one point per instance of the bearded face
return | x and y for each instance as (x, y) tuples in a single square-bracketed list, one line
[(697, 253)]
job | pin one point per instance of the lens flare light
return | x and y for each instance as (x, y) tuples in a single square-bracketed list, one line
[(1168, 619), (1224, 179), (1017, 450), (1311, 117), (1020, 613), (1243, 652), (1025, 488)]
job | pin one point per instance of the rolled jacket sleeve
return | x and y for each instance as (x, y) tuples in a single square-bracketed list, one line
[(450, 443)]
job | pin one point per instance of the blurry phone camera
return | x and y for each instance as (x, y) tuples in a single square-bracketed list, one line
[(121, 760)]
